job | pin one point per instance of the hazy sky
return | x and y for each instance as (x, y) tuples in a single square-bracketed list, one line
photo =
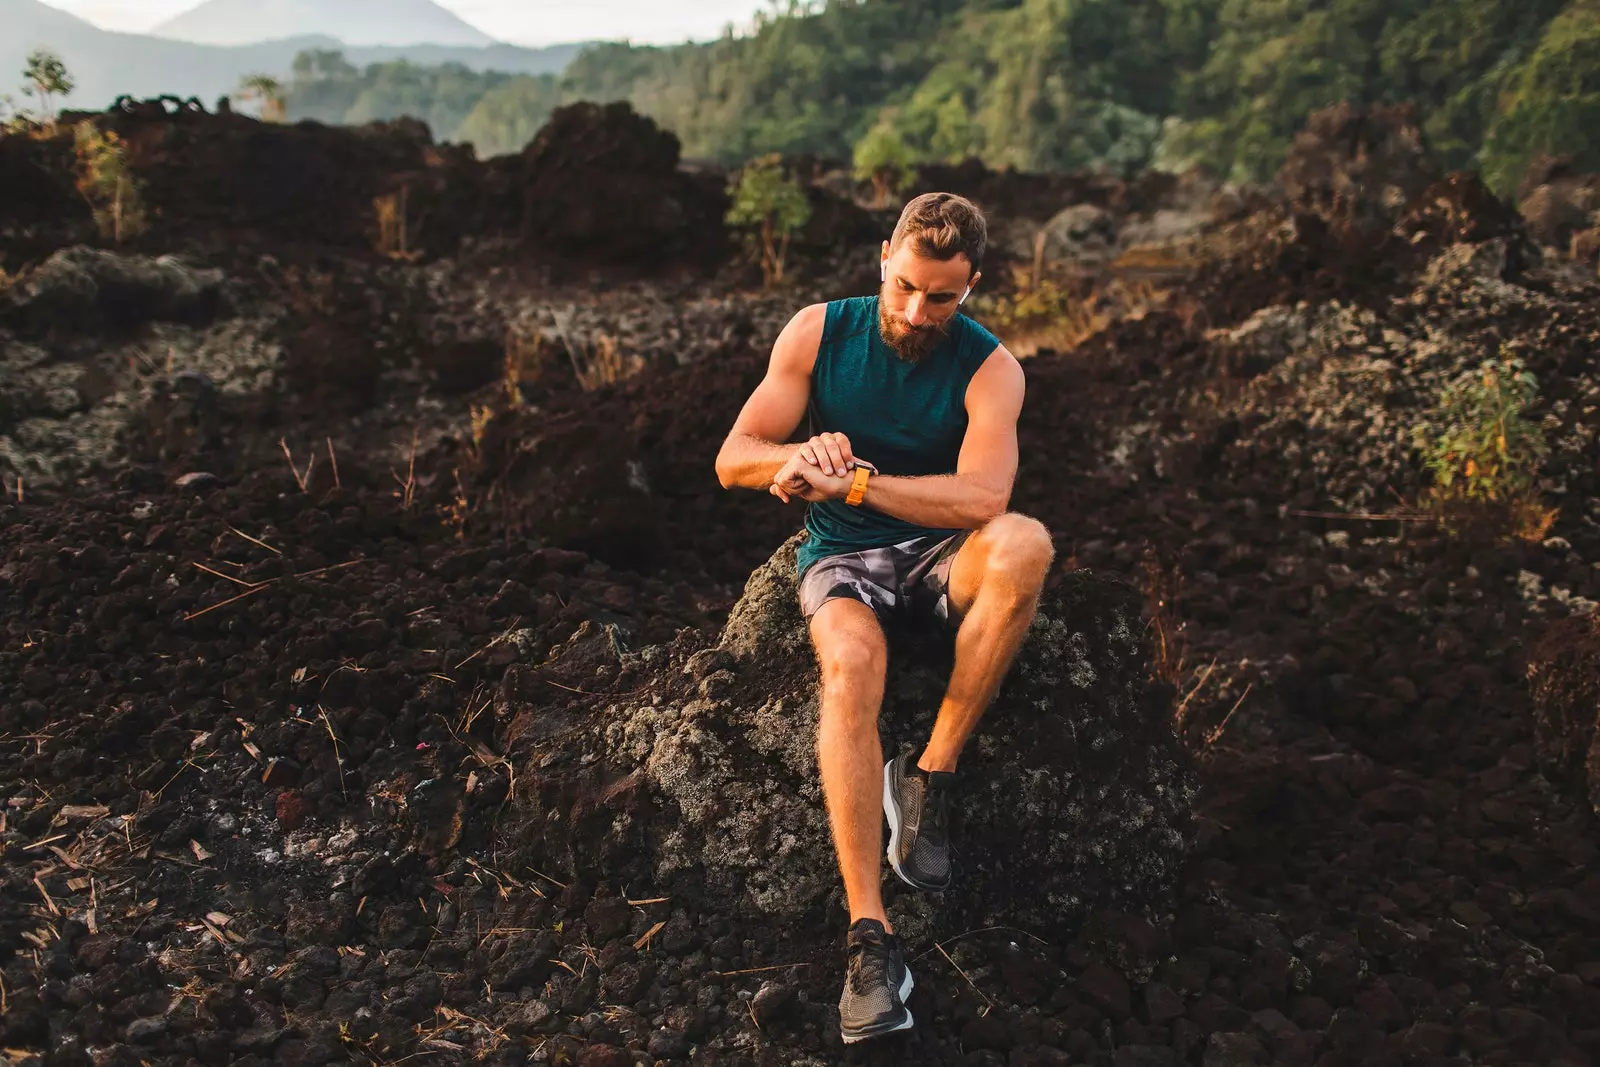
[(518, 21)]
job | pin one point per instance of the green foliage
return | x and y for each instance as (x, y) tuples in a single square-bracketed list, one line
[(46, 77), (769, 206), (883, 158), (1048, 84), (1480, 444), (265, 90), (1552, 102), (329, 89), (508, 116), (106, 184)]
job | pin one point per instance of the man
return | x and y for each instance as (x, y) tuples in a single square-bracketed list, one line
[(914, 409)]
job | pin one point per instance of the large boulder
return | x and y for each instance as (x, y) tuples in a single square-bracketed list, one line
[(601, 182), (1075, 794), (1564, 677), (86, 290)]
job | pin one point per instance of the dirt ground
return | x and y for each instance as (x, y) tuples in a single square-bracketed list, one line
[(299, 766)]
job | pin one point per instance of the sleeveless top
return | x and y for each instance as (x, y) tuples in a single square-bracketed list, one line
[(905, 418)]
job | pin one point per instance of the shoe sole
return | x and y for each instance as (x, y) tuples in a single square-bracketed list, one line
[(891, 811), (906, 986)]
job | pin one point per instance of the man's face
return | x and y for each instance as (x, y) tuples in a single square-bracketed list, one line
[(919, 297)]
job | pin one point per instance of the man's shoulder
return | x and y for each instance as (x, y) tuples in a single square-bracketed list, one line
[(973, 342), (848, 316)]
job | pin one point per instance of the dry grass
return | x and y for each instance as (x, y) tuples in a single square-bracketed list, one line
[(1164, 631), (301, 478), (393, 218)]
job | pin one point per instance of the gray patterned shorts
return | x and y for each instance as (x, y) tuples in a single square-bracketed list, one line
[(909, 581)]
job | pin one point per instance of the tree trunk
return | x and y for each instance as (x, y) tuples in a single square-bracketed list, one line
[(769, 255)]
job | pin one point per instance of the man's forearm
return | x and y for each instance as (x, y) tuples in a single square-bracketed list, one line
[(749, 462), (940, 502)]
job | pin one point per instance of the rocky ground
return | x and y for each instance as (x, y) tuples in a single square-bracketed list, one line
[(462, 746)]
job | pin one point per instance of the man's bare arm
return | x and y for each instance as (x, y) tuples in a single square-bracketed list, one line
[(986, 470), (754, 452)]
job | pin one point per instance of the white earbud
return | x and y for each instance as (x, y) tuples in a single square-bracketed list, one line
[(883, 271), (965, 293)]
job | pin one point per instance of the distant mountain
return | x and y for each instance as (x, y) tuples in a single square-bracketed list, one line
[(107, 64), (355, 22)]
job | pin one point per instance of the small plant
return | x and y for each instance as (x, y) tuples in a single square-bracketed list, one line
[(266, 90), (883, 158), (47, 78), (480, 417), (1485, 452), (456, 512), (1164, 630), (1041, 313), (769, 206), (104, 181), (394, 226)]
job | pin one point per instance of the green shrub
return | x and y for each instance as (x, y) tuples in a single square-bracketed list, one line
[(105, 182), (1485, 452), (769, 206)]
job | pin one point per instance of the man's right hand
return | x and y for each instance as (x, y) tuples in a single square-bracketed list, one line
[(830, 452)]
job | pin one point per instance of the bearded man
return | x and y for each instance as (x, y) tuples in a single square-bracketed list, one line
[(907, 477)]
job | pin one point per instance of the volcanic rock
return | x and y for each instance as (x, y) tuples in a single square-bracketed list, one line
[(1564, 678), (1075, 794)]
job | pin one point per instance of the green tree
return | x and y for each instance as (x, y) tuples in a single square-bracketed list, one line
[(1553, 101), (883, 158), (769, 206), (268, 92), (47, 77), (508, 116)]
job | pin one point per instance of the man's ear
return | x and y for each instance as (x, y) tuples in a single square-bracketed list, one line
[(972, 283)]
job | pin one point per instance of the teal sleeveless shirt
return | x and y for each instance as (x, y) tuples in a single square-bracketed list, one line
[(905, 418)]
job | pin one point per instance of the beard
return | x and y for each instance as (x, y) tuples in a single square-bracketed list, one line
[(910, 343)]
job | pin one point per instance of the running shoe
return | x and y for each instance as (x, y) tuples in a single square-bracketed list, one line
[(876, 984), (916, 803)]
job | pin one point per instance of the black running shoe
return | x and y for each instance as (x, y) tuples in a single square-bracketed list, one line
[(876, 984), (919, 839)]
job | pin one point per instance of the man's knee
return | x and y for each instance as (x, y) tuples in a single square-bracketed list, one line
[(852, 664), (1020, 550)]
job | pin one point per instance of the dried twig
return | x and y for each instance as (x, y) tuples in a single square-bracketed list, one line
[(337, 757), (644, 939), (334, 463), (552, 881), (248, 592), (760, 970), (970, 982), (253, 541), (408, 487), (1183, 704), (227, 577), (491, 644), (1211, 738), (302, 480)]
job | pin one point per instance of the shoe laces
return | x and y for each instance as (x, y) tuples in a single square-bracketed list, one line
[(869, 962), (935, 827)]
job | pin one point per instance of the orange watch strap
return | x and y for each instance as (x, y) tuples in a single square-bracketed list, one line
[(858, 487)]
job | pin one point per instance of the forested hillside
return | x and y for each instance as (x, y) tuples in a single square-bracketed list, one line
[(1061, 84), (496, 112)]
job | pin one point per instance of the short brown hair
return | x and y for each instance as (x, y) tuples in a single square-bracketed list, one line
[(943, 226)]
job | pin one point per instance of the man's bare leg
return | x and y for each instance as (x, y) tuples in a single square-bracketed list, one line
[(994, 589), (854, 655)]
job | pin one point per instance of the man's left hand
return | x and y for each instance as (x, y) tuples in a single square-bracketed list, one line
[(807, 482)]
